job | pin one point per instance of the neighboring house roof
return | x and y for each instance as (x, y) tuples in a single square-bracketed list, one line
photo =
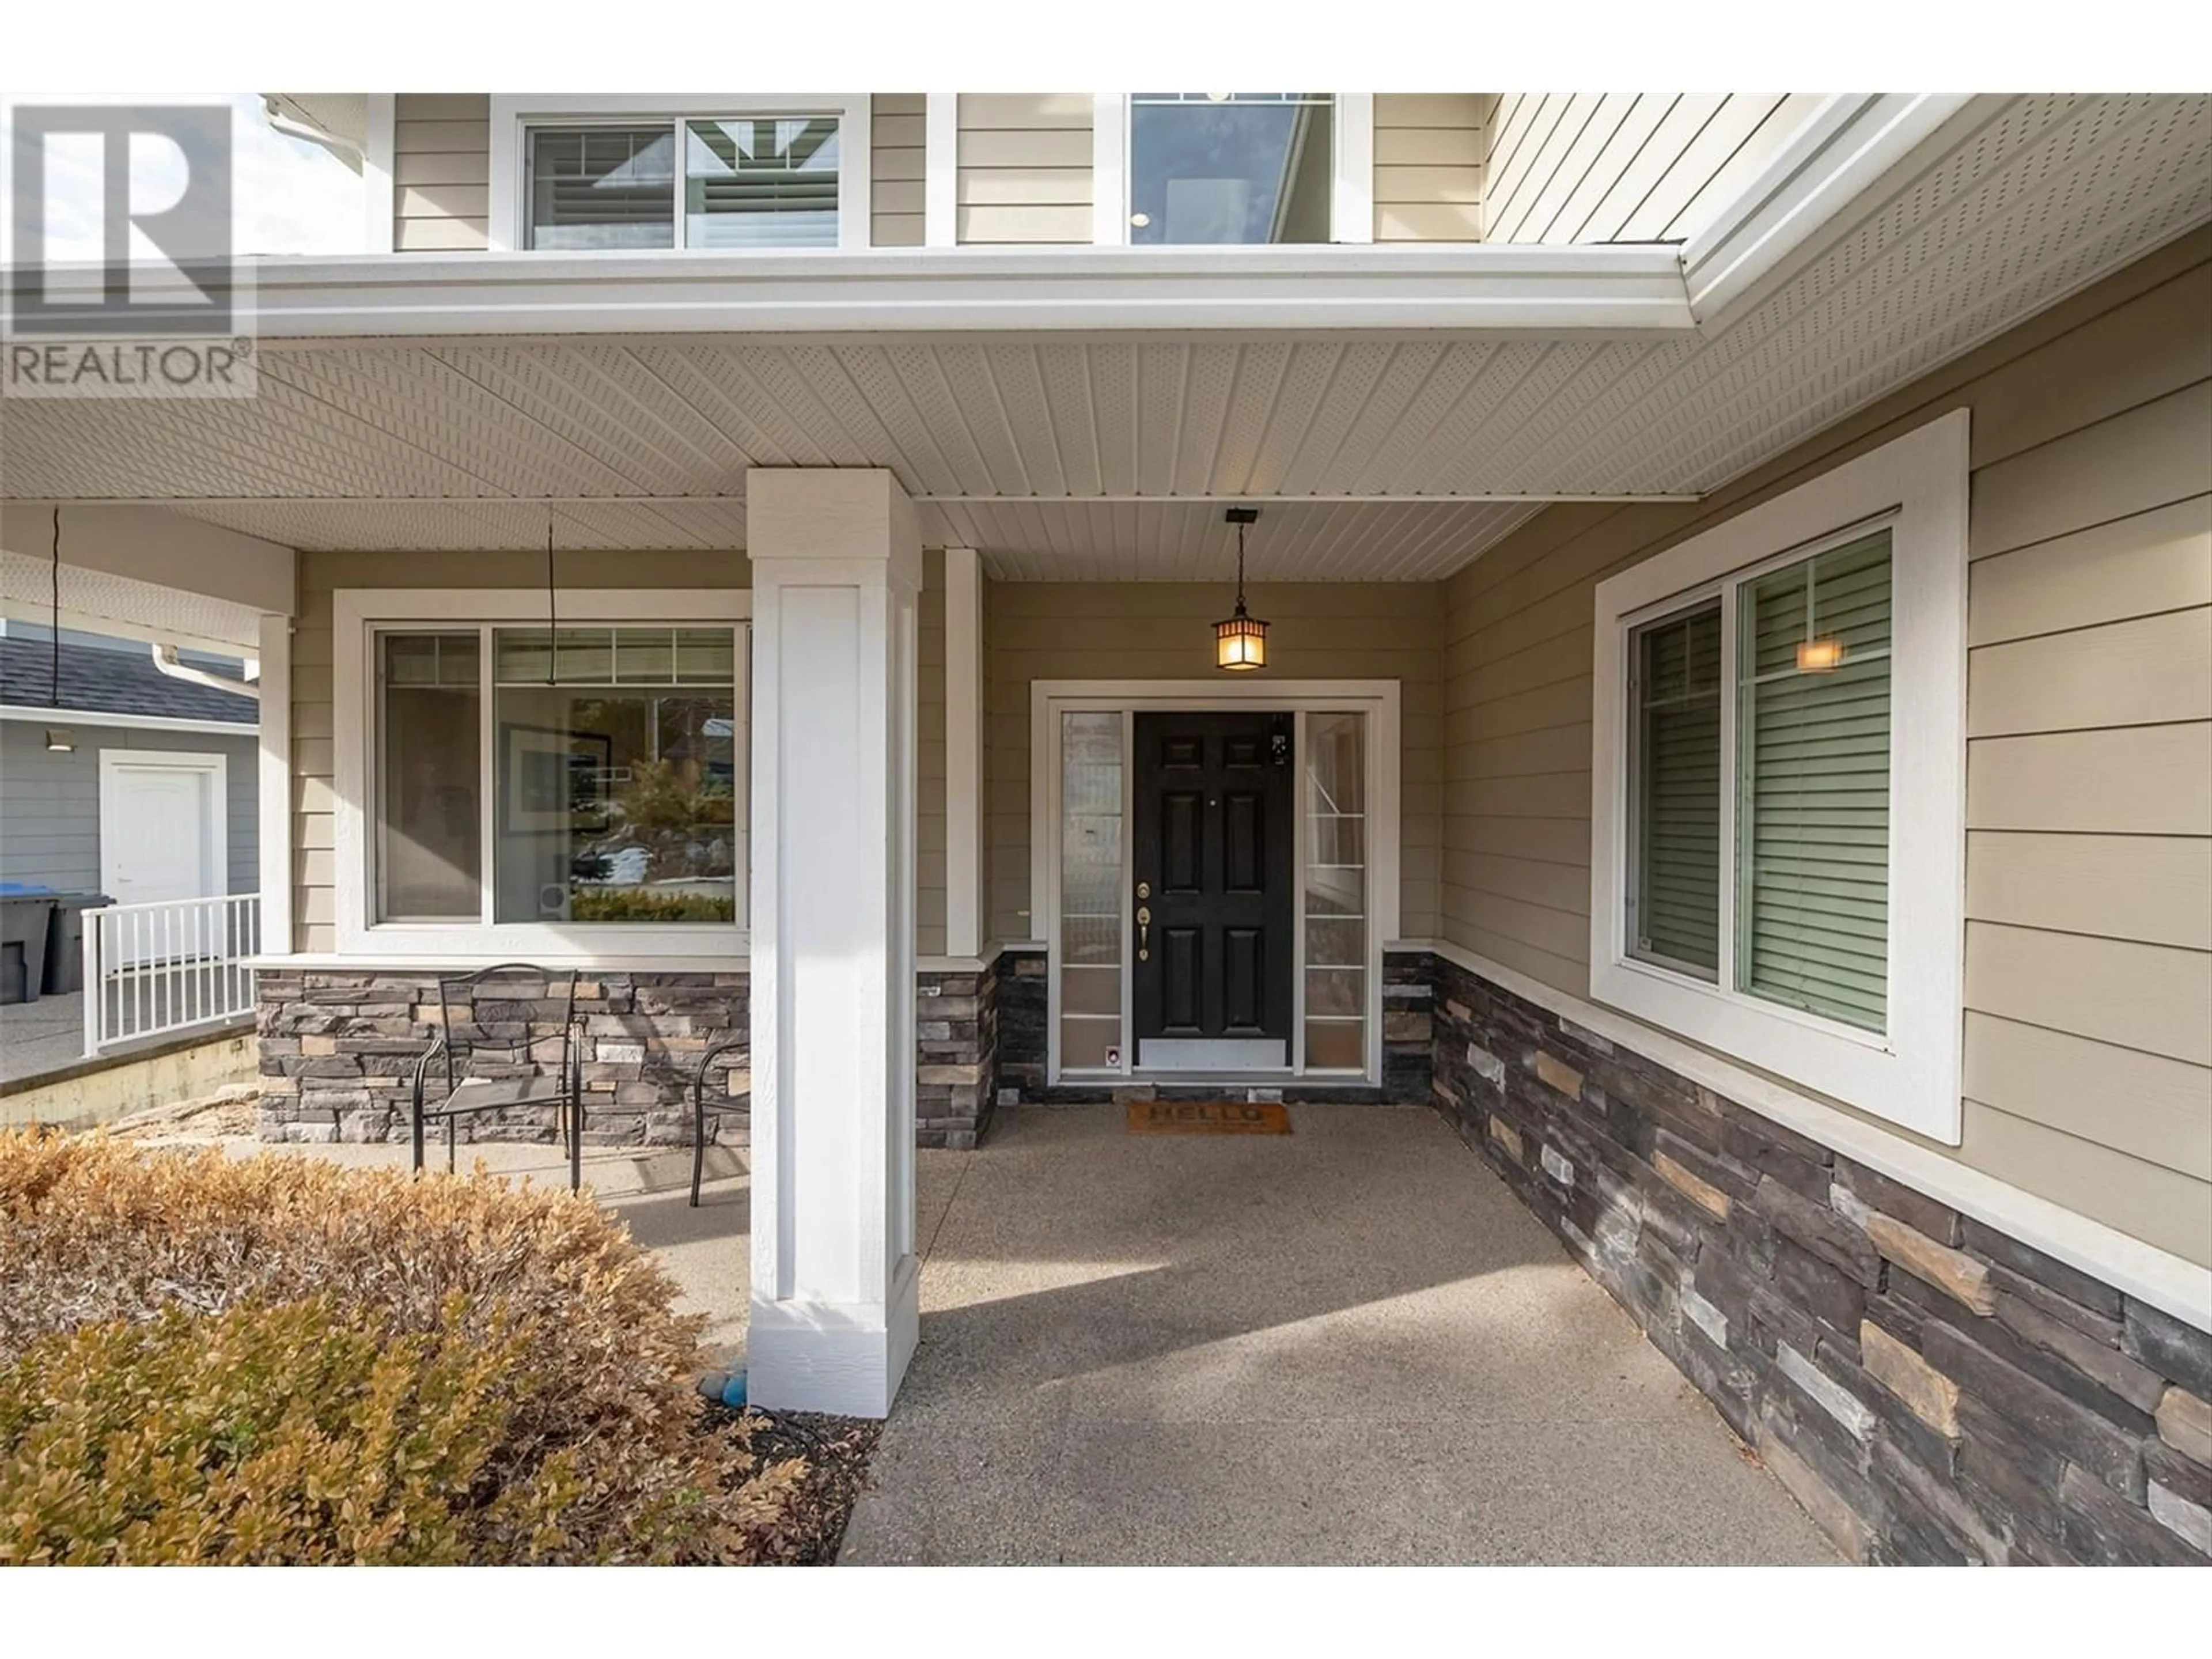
[(102, 681)]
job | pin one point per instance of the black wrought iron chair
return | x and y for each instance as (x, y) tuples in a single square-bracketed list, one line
[(463, 1072), (729, 1105)]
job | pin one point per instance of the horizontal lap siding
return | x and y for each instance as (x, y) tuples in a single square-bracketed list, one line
[(1428, 165), (50, 802), (440, 172), (1024, 167), (2088, 855), (1164, 631), (314, 873), (1623, 167), (896, 121)]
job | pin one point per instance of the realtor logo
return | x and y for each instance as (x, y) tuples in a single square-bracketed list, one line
[(158, 311)]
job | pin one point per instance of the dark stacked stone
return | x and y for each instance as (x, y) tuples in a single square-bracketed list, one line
[(1024, 1006), (1930, 1389), (339, 1051), (956, 1046), (1408, 1028)]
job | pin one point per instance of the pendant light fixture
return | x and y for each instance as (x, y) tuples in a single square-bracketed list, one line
[(1240, 641), (1817, 654)]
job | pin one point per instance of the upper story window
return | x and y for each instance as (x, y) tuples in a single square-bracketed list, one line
[(757, 181), (592, 173), (1231, 167)]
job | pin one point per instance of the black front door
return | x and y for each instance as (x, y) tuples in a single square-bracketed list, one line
[(1212, 889)]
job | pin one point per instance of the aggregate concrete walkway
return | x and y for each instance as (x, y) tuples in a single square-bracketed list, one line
[(1350, 1344)]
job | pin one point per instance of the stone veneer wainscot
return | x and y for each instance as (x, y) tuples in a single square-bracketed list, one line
[(1930, 1389)]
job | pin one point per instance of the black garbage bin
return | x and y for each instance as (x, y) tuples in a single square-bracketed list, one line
[(24, 910), (64, 963)]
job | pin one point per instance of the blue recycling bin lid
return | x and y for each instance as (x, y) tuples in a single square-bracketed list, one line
[(25, 890)]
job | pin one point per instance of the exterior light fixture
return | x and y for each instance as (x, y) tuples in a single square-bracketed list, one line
[(1820, 656), (60, 740), (1219, 97), (1240, 642)]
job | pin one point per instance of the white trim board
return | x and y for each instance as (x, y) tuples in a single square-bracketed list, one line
[(964, 752), (32, 715), (512, 112), (1379, 700), (273, 785), (1627, 290), (2166, 1282), (355, 612), (1911, 1073)]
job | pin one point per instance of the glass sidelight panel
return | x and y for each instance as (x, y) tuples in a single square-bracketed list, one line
[(1092, 849), (1335, 892)]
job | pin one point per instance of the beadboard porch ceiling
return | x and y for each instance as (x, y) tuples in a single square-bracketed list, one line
[(1375, 454)]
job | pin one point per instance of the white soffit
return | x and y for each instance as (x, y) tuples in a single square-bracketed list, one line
[(642, 440), (103, 603)]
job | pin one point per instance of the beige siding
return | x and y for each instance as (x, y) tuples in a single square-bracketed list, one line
[(1162, 630), (1625, 166), (313, 872), (1429, 150), (2089, 757), (1024, 167), (441, 171), (896, 122), (929, 760)]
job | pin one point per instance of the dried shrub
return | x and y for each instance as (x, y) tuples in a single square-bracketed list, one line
[(549, 1334)]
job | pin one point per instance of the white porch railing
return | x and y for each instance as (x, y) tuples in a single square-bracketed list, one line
[(150, 970)]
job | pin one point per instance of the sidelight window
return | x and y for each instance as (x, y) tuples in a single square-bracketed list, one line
[(1335, 889)]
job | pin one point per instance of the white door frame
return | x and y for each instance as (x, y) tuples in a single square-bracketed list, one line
[(1378, 700), (215, 847)]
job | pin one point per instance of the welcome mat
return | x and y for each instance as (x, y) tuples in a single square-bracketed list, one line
[(1208, 1117)]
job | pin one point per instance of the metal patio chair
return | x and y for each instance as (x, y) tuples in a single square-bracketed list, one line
[(729, 1105), (467, 1069)]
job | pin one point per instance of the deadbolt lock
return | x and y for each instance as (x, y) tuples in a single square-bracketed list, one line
[(1144, 889)]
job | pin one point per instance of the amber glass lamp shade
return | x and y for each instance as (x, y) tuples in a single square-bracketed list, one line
[(1240, 642)]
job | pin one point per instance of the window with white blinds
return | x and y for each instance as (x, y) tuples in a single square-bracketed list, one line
[(755, 181), (1813, 784)]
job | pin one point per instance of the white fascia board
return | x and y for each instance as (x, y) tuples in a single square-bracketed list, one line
[(1845, 147), (39, 714), (1624, 291)]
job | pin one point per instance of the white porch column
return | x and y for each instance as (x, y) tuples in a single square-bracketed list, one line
[(836, 558)]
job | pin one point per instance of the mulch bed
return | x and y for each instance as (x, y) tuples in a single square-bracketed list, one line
[(836, 1450)]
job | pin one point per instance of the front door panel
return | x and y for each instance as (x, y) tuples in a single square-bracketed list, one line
[(1213, 854)]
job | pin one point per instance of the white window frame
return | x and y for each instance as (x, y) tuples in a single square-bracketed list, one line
[(357, 616), (1379, 701), (1352, 174), (513, 113), (1910, 1074)]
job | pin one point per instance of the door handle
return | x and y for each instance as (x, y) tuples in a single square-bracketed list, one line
[(1144, 934)]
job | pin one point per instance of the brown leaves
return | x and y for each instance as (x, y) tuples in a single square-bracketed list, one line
[(270, 1358)]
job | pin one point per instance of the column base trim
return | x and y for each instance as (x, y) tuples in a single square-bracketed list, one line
[(844, 1358)]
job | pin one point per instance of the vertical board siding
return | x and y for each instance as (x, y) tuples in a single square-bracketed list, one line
[(50, 802), (1625, 166), (440, 172), (896, 121), (1428, 165), (1164, 631), (315, 874), (2089, 756), (1024, 167)]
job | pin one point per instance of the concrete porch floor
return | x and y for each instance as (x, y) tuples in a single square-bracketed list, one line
[(1347, 1345)]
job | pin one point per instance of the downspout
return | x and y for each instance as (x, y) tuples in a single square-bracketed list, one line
[(165, 661)]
